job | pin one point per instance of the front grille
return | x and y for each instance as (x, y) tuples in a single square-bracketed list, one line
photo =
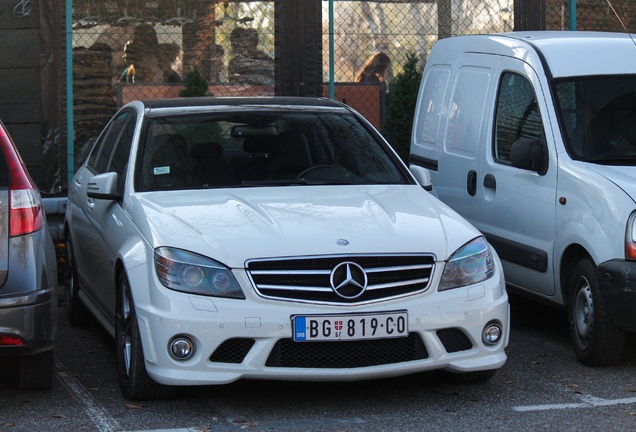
[(232, 351), (346, 354), (308, 278), (454, 340)]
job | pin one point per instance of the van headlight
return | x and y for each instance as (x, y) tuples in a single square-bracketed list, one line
[(188, 272), (470, 264)]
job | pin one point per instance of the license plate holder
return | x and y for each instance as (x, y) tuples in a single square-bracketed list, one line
[(358, 326)]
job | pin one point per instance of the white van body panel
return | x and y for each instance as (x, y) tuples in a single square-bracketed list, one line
[(528, 135)]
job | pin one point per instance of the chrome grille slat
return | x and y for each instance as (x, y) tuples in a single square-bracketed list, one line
[(383, 269), (307, 279), (386, 285), (288, 272), (294, 288)]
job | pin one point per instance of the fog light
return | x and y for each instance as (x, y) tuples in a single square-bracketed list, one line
[(492, 333), (181, 347)]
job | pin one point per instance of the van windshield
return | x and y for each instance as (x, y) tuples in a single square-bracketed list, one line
[(598, 118)]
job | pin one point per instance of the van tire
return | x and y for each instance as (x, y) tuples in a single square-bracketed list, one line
[(597, 341)]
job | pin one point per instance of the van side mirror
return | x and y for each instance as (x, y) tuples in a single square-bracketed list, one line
[(529, 154), (423, 177)]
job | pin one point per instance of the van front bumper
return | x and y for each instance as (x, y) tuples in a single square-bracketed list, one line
[(618, 278)]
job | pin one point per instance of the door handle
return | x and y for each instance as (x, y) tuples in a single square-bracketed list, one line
[(490, 182), (471, 182)]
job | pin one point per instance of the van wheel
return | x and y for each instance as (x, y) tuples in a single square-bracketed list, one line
[(597, 342), (36, 372), (134, 381), (76, 313)]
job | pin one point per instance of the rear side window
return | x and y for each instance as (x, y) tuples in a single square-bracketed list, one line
[(467, 110), (431, 106), (517, 115)]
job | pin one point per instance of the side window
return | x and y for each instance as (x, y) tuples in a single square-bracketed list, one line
[(119, 160), (517, 115), (101, 155)]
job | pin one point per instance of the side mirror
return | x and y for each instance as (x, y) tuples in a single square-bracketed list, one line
[(103, 186), (529, 154), (423, 177)]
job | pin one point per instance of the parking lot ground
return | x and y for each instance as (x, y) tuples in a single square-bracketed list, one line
[(542, 387)]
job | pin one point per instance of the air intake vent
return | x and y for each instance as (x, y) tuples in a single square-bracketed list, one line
[(346, 354)]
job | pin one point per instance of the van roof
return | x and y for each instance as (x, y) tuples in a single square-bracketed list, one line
[(563, 53)]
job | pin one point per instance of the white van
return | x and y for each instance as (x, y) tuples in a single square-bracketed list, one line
[(531, 136)]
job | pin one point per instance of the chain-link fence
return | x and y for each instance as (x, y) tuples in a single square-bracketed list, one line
[(596, 15), (129, 50), (372, 54)]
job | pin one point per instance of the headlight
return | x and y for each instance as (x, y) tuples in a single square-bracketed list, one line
[(188, 272), (630, 238), (470, 264)]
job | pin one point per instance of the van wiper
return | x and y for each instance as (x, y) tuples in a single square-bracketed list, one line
[(611, 159)]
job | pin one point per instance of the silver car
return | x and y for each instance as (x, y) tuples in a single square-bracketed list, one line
[(28, 275)]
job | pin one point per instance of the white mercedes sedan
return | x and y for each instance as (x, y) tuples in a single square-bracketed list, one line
[(272, 238)]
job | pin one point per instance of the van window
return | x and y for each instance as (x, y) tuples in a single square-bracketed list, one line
[(517, 115), (597, 115), (466, 112), (431, 103)]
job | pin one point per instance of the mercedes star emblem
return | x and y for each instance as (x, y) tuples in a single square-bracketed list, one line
[(348, 280)]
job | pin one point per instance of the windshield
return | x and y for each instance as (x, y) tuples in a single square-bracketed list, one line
[(262, 148), (598, 118)]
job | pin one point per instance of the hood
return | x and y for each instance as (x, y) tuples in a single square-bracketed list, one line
[(622, 176), (234, 225)]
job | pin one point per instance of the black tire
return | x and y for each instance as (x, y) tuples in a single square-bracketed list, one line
[(597, 342), (470, 377), (134, 381), (76, 312), (36, 372)]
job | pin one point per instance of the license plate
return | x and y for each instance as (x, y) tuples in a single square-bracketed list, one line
[(379, 325)]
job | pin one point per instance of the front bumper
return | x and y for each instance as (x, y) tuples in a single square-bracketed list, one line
[(619, 284), (251, 338)]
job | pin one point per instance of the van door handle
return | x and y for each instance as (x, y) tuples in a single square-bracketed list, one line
[(490, 182), (471, 182)]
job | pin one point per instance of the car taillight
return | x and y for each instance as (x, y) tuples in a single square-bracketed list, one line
[(26, 214), (10, 340)]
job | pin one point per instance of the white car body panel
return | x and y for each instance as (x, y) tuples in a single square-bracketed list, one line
[(236, 225), (248, 223)]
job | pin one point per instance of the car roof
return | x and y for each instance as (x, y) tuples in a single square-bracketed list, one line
[(240, 101)]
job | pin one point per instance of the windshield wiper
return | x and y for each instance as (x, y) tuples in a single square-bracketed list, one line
[(274, 182)]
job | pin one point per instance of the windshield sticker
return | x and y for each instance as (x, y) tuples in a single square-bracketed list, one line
[(161, 170)]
